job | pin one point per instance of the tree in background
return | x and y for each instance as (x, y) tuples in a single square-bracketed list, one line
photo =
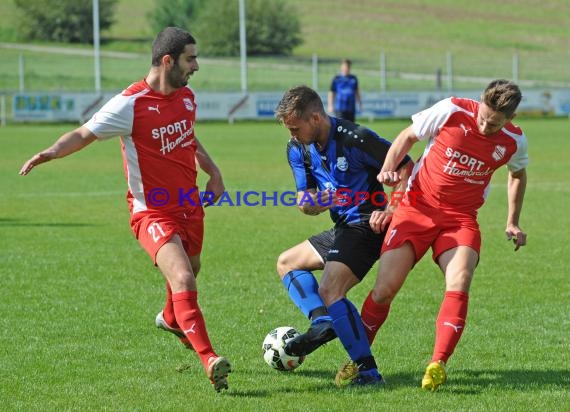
[(62, 20), (273, 26), (177, 13)]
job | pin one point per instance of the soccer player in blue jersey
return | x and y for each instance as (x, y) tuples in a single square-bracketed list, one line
[(335, 163), (344, 93)]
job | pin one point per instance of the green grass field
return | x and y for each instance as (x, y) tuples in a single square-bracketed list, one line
[(79, 295)]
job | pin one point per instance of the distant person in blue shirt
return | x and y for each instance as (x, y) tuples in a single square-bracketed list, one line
[(335, 163), (344, 93)]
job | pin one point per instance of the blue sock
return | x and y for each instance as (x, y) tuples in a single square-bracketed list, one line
[(303, 290), (350, 330)]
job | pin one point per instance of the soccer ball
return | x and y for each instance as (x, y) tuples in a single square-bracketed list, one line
[(273, 352)]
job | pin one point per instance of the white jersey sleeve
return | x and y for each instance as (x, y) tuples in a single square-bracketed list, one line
[(426, 124), (519, 159), (115, 118)]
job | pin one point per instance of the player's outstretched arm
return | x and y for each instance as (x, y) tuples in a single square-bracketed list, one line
[(516, 187), (330, 102), (389, 175), (67, 144)]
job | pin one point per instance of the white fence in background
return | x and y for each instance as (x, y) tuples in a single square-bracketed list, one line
[(55, 107)]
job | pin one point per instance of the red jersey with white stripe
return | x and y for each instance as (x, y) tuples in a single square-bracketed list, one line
[(455, 169), (158, 145)]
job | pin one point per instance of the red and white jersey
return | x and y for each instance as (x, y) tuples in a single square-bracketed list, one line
[(458, 162), (158, 145)]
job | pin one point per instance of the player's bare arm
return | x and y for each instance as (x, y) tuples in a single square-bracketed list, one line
[(67, 144), (399, 148), (330, 102), (215, 183), (312, 202), (380, 219), (516, 187)]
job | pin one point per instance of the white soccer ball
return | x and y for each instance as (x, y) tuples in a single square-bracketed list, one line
[(273, 352)]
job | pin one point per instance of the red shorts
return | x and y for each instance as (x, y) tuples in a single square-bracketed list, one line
[(154, 228), (424, 226)]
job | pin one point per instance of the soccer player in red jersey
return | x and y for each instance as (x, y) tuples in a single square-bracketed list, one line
[(466, 142), (155, 118)]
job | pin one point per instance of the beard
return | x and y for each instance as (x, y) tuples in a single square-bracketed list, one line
[(176, 78)]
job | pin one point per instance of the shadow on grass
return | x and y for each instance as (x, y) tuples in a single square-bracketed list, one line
[(518, 379), (476, 381), (312, 373), (6, 222), (255, 393), (467, 382), (323, 381), (261, 393)]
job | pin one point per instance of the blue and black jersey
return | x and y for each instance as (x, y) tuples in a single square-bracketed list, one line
[(344, 88), (348, 165)]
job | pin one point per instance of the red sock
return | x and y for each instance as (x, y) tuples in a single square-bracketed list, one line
[(373, 316), (189, 317), (450, 324), (168, 311)]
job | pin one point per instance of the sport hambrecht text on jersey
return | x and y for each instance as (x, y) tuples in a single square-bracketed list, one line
[(158, 197)]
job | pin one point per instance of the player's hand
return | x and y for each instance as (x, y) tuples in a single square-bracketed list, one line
[(515, 234), (389, 178), (216, 187), (379, 220), (326, 200), (320, 202), (34, 161)]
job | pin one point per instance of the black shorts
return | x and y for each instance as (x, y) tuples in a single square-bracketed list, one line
[(357, 246)]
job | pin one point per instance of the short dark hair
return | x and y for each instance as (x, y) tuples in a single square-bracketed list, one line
[(170, 41), (502, 96), (301, 102)]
